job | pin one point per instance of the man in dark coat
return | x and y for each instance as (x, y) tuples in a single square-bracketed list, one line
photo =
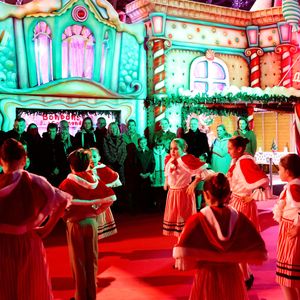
[(198, 146), (18, 132), (144, 165), (55, 164), (197, 141)]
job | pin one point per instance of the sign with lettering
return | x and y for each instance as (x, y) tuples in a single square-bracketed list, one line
[(42, 117)]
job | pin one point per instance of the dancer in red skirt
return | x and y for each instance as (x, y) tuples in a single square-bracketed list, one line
[(287, 213), (179, 170), (214, 242), (26, 201), (248, 183), (106, 221)]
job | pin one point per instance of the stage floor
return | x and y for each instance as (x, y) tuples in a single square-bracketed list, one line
[(137, 263)]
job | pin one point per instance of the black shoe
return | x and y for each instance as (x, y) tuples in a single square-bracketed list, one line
[(249, 282)]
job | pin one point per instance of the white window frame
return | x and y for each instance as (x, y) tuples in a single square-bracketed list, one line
[(208, 80)]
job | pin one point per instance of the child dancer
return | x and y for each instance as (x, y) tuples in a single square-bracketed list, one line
[(91, 197), (248, 183), (214, 242), (26, 200), (287, 212), (106, 222), (179, 170)]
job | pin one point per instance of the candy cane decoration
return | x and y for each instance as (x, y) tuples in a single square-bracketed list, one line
[(159, 113), (159, 67), (297, 127), (159, 76), (286, 63), (254, 54), (250, 117), (158, 46)]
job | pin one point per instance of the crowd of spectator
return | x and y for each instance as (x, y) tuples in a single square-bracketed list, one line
[(123, 152), (138, 161)]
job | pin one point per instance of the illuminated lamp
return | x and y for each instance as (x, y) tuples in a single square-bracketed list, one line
[(252, 36), (285, 32), (158, 22)]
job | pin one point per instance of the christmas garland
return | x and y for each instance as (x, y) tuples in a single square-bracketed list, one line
[(228, 104), (213, 110)]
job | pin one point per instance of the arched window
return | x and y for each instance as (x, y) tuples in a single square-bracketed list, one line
[(208, 74), (104, 54), (77, 52), (43, 52)]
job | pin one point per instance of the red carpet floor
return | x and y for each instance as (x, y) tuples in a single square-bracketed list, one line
[(137, 263)]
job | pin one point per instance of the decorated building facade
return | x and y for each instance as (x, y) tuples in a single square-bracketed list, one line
[(66, 61), (219, 61), (176, 59)]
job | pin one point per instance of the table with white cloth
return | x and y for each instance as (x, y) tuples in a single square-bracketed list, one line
[(269, 158), (264, 158)]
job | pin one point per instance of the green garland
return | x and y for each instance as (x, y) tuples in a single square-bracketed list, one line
[(219, 110), (239, 98), (223, 105)]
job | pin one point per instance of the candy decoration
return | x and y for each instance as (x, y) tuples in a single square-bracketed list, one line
[(79, 13), (291, 13), (158, 46), (159, 66), (159, 114), (254, 54), (210, 55), (250, 117), (286, 62)]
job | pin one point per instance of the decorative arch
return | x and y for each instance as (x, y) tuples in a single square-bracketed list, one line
[(43, 52), (208, 74), (77, 52)]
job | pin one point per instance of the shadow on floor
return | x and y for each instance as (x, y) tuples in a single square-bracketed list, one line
[(266, 219), (62, 283), (168, 280), (103, 282)]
